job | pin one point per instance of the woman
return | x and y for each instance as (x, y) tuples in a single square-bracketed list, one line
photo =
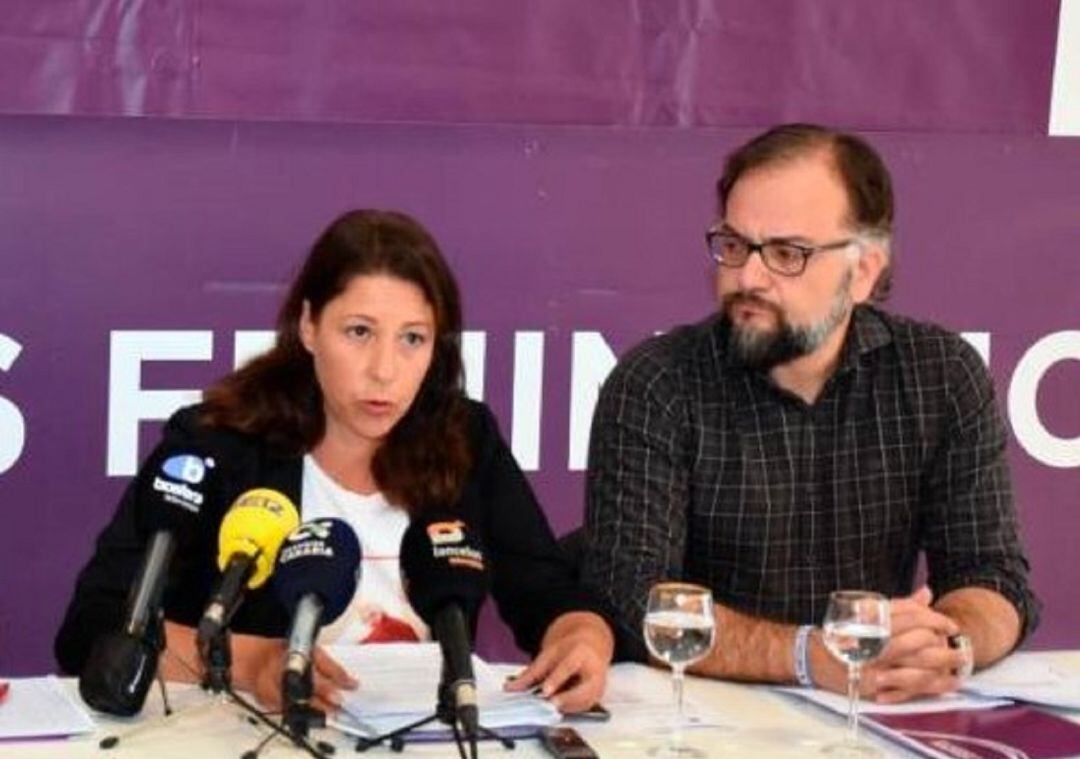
[(356, 412)]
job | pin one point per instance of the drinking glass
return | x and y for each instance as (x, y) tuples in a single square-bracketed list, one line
[(679, 630), (856, 629)]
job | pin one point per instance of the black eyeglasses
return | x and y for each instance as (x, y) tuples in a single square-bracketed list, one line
[(781, 256)]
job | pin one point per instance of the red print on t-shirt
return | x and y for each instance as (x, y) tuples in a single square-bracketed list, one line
[(387, 629)]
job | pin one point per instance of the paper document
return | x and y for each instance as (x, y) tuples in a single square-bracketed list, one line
[(947, 703), (1029, 677), (1011, 732), (640, 698), (41, 707), (399, 682)]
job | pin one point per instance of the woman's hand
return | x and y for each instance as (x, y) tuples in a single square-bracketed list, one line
[(571, 668), (257, 667)]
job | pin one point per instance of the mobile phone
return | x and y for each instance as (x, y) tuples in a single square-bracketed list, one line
[(595, 713), (565, 743)]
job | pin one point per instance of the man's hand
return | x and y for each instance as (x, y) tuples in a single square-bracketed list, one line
[(917, 661), (571, 668)]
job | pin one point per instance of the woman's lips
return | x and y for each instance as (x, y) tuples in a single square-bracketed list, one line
[(377, 408)]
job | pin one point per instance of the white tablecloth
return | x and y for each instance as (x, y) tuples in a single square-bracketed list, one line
[(742, 720)]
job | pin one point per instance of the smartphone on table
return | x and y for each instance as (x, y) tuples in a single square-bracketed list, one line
[(565, 743)]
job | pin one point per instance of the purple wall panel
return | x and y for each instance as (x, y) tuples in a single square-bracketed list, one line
[(979, 65), (156, 224), (594, 225)]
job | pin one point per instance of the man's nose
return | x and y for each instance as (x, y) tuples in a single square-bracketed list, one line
[(754, 274)]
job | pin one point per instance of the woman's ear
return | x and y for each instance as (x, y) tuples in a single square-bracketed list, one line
[(307, 327)]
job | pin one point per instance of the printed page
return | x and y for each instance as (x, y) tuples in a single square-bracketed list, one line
[(37, 707)]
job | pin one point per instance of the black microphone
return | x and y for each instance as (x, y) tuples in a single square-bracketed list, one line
[(122, 664), (446, 580), (317, 571)]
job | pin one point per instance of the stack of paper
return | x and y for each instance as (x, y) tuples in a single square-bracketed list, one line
[(40, 707), (1027, 677), (399, 682), (946, 703)]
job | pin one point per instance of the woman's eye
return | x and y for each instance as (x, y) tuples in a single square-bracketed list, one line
[(359, 330), (414, 339)]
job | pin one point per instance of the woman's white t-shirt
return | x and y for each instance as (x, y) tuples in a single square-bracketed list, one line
[(379, 611)]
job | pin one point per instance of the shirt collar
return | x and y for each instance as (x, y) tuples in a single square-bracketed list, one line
[(867, 332)]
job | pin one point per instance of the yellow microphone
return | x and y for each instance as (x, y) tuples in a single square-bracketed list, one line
[(251, 534), (255, 526)]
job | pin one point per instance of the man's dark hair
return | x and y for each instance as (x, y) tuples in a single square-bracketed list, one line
[(863, 174)]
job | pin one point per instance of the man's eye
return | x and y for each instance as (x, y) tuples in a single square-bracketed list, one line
[(787, 255), (732, 248)]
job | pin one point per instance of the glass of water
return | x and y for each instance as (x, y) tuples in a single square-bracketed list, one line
[(679, 630), (856, 629)]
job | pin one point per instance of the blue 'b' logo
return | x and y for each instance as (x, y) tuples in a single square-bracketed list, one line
[(186, 468)]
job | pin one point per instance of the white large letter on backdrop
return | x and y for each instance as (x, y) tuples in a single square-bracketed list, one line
[(591, 361), (528, 398), (1065, 94), (1023, 395), (12, 423), (129, 403), (473, 353), (249, 343)]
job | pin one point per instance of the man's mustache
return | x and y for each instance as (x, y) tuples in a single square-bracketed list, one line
[(743, 298)]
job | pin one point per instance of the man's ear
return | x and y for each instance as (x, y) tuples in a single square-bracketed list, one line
[(867, 269), (307, 327)]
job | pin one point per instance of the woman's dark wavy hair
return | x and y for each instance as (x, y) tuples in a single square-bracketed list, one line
[(425, 458)]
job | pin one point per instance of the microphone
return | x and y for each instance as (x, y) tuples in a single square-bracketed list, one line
[(317, 571), (445, 580), (251, 534), (122, 664)]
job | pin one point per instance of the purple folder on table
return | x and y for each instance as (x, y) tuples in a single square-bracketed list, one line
[(1007, 732)]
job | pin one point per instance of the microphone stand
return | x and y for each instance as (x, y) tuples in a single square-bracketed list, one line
[(277, 729), (154, 639), (217, 658), (297, 689), (216, 654), (445, 712)]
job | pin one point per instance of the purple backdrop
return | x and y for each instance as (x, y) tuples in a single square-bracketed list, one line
[(178, 224), (921, 64)]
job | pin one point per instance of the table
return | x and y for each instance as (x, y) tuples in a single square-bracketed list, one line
[(753, 720)]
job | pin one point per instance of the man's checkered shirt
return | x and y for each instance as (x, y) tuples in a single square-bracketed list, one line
[(704, 471)]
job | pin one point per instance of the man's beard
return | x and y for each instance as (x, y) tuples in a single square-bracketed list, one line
[(762, 350)]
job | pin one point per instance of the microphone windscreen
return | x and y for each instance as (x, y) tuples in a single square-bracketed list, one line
[(255, 525), (443, 563), (176, 484), (321, 557)]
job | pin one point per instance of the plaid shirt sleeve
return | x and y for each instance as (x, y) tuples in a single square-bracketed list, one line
[(971, 531), (637, 491)]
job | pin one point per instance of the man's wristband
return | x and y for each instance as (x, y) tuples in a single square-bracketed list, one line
[(802, 656)]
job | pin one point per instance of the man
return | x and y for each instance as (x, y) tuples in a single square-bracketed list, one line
[(802, 441)]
